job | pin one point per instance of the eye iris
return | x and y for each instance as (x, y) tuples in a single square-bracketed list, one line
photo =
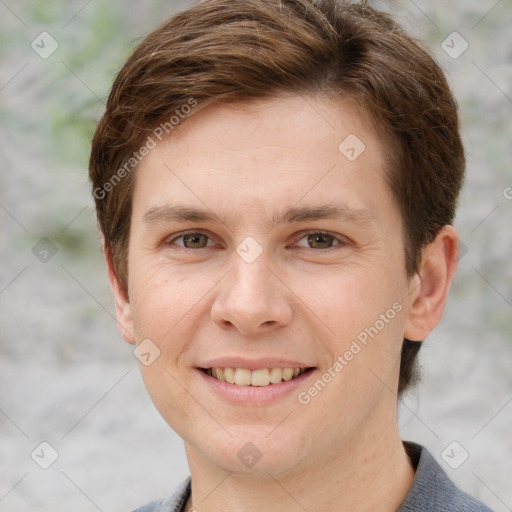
[(322, 241), (195, 240)]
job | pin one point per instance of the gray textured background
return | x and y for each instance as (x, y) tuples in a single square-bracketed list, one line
[(66, 375)]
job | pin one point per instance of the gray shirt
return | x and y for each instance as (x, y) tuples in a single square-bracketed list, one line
[(431, 491)]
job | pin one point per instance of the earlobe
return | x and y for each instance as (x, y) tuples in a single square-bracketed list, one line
[(429, 288), (122, 304)]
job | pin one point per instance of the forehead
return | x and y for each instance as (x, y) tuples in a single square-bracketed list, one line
[(259, 156)]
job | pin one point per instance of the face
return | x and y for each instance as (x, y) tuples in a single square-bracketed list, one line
[(264, 243)]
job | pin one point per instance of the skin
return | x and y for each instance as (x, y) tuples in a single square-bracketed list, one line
[(246, 162)]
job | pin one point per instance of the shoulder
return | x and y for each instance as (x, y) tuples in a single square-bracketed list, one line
[(432, 490), (172, 503)]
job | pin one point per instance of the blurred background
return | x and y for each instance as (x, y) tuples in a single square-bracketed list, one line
[(67, 378)]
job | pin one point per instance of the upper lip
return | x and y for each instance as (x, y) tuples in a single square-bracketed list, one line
[(252, 364)]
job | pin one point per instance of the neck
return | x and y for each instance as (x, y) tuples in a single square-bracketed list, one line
[(377, 477)]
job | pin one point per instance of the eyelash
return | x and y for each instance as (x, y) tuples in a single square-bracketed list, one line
[(341, 241)]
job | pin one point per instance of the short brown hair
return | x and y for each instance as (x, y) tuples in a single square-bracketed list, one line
[(240, 50)]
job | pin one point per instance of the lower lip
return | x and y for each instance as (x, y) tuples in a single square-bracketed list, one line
[(255, 395)]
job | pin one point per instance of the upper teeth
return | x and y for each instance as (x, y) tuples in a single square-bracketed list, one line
[(261, 377)]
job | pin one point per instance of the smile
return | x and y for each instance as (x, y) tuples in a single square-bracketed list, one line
[(260, 377)]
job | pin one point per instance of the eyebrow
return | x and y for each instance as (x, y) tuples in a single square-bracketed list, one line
[(181, 213)]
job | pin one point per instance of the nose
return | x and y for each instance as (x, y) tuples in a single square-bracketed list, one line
[(252, 299)]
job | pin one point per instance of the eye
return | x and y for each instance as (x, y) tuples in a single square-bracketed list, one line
[(319, 240), (312, 240), (191, 240)]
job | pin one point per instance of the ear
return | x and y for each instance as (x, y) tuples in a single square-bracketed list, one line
[(123, 308), (429, 288)]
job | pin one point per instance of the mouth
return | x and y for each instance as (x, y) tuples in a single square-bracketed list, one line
[(261, 377)]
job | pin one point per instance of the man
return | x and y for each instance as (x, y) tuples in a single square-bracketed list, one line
[(275, 182)]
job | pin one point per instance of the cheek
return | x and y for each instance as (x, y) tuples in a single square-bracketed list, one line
[(153, 299), (162, 296), (361, 315), (345, 300)]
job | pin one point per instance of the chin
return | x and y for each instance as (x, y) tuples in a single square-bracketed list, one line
[(253, 450)]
